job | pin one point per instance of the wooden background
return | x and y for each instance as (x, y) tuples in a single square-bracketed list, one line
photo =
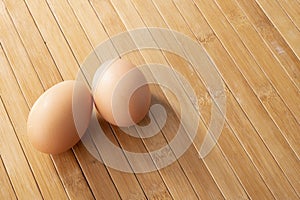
[(255, 45)]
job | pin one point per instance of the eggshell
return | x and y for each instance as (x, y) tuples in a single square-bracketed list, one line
[(112, 90), (50, 126)]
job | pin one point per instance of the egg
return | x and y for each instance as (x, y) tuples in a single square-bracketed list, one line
[(51, 126), (121, 93)]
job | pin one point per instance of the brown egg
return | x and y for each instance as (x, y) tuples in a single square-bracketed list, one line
[(119, 95), (50, 126)]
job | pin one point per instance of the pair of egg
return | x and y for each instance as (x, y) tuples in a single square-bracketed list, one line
[(120, 95)]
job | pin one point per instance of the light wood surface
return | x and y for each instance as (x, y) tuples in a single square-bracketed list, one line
[(255, 46)]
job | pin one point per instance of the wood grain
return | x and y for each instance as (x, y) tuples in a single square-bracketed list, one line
[(71, 183), (254, 46), (6, 191), (282, 22), (17, 107), (46, 67), (152, 58), (176, 190), (178, 64), (131, 190), (272, 38), (288, 125), (21, 179), (292, 9), (243, 60), (206, 37)]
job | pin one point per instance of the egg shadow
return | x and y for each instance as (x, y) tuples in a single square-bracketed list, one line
[(126, 141)]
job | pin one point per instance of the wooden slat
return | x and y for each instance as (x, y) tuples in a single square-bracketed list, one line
[(19, 61), (270, 66), (282, 22), (90, 29), (12, 155), (292, 9), (40, 57), (131, 20), (264, 89), (273, 39), (180, 68), (6, 190), (280, 114), (9, 38), (255, 47), (56, 44), (176, 172), (96, 35), (73, 180), (101, 183), (244, 95), (157, 58), (153, 183), (133, 189), (245, 174), (183, 188), (168, 173), (154, 190), (265, 92), (123, 180), (44, 66)]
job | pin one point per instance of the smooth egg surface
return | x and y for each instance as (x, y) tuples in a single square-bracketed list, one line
[(50, 125), (115, 87)]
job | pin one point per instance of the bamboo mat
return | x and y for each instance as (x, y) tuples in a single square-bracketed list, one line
[(255, 45)]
